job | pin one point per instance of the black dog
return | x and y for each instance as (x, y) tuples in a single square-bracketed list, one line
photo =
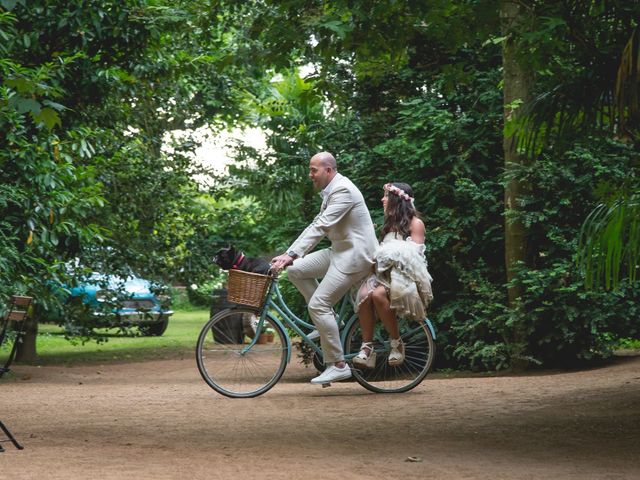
[(229, 258)]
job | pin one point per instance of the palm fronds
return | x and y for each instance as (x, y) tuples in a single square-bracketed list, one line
[(604, 97), (609, 242), (558, 115), (610, 235)]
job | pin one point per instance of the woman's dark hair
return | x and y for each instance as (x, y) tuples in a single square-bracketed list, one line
[(399, 212)]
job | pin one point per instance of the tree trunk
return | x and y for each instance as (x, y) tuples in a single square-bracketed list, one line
[(517, 87), (517, 84), (26, 352)]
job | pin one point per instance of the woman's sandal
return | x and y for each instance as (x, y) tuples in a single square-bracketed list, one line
[(366, 357), (396, 356)]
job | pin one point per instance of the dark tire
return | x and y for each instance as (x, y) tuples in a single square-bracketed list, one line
[(155, 329), (238, 369), (420, 351)]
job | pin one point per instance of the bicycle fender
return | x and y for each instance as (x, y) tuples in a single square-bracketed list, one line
[(430, 325)]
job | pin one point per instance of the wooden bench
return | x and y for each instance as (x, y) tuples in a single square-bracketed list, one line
[(9, 339)]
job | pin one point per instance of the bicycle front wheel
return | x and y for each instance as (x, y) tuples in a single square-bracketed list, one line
[(419, 349), (230, 364)]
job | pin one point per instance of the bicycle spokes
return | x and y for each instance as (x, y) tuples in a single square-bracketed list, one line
[(419, 350)]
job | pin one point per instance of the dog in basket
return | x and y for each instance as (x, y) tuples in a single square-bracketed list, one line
[(229, 258)]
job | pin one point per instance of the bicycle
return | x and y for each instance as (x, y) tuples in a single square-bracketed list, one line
[(239, 364)]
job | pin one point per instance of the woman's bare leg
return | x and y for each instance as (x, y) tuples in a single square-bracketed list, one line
[(366, 358), (367, 318), (383, 307)]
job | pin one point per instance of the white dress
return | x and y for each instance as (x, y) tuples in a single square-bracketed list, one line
[(401, 268)]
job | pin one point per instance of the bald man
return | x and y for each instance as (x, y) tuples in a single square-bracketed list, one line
[(345, 220)]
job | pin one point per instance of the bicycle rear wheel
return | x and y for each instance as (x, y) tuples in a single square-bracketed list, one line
[(419, 350), (230, 365)]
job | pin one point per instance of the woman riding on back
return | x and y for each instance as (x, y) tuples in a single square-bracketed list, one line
[(401, 284)]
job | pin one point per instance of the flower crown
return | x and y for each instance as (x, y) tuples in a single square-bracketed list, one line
[(398, 191)]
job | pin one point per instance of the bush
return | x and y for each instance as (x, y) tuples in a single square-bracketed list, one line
[(201, 294)]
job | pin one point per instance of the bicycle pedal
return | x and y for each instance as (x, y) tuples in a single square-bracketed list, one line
[(325, 385)]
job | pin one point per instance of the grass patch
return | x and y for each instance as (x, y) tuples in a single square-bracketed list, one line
[(177, 342)]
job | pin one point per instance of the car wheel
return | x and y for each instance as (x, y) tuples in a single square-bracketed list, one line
[(155, 329)]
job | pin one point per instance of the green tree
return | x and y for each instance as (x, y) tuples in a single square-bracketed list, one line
[(45, 196), (89, 90)]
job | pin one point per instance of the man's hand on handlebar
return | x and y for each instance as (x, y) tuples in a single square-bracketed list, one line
[(281, 262)]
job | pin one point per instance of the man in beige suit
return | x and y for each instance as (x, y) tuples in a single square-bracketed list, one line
[(345, 220)]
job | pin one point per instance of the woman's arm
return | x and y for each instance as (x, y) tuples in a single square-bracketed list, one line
[(417, 230)]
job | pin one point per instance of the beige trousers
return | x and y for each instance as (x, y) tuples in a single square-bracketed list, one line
[(321, 297)]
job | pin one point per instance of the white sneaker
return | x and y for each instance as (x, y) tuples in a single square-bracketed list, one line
[(332, 374)]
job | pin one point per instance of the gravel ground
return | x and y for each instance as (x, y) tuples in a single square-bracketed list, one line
[(159, 420)]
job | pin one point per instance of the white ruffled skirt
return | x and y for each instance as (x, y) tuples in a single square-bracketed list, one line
[(402, 269)]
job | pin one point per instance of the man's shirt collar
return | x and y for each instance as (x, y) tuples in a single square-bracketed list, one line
[(327, 190)]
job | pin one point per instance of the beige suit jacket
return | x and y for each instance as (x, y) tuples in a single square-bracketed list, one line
[(345, 219)]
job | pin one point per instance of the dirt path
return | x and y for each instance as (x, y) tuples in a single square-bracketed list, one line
[(158, 420)]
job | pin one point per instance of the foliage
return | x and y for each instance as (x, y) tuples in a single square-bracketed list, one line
[(88, 91), (217, 221), (202, 294), (575, 50), (45, 197), (629, 343), (610, 240), (566, 323), (585, 55)]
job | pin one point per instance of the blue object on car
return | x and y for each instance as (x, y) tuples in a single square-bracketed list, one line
[(130, 300)]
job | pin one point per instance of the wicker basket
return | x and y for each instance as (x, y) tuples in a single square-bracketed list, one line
[(247, 288)]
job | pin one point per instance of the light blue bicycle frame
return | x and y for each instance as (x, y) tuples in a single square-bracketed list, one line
[(275, 303)]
